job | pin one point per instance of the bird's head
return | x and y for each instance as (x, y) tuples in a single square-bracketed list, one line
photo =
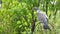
[(35, 8)]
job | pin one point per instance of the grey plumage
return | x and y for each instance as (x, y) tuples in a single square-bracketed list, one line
[(42, 17)]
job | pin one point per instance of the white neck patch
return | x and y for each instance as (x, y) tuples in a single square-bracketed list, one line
[(38, 10)]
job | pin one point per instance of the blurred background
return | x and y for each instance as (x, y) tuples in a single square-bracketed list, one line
[(17, 17)]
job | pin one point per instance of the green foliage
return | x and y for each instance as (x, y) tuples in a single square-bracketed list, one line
[(16, 16)]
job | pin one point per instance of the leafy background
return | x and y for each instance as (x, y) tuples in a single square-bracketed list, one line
[(16, 16)]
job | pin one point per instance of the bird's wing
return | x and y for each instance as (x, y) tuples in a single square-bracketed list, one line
[(44, 14)]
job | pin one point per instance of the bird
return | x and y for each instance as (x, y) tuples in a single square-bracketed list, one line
[(42, 17)]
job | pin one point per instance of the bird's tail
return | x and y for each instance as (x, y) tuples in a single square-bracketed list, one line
[(46, 27)]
